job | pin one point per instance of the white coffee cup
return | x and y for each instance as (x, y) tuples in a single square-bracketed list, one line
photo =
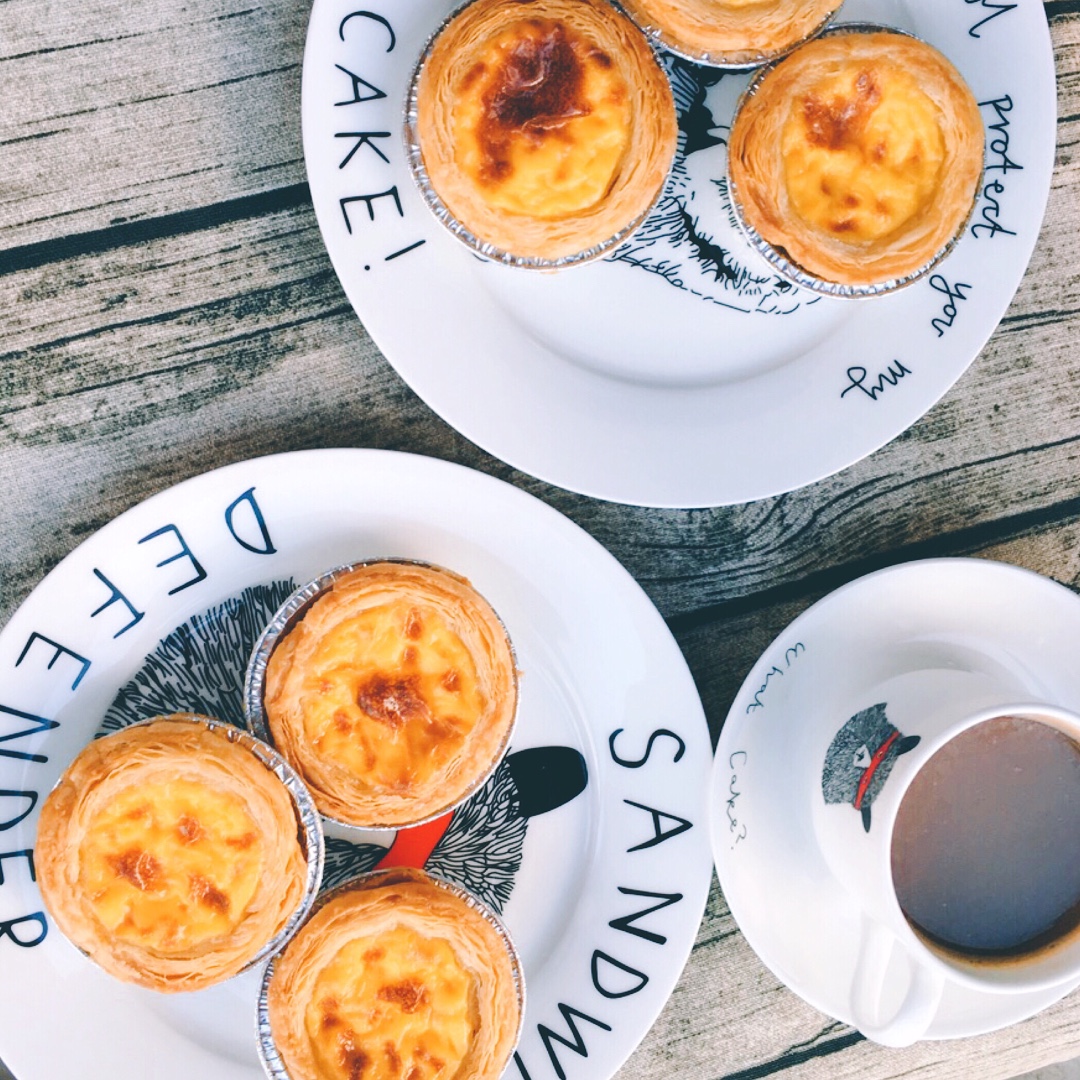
[(874, 753)]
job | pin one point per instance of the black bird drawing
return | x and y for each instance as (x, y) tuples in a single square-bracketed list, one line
[(200, 666), (860, 758), (691, 239), (478, 845)]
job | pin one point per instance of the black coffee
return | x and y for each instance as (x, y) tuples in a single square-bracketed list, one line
[(986, 848)]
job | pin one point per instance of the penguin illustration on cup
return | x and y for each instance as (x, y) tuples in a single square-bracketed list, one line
[(860, 759)]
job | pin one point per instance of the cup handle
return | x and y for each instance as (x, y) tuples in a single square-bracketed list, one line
[(920, 1005)]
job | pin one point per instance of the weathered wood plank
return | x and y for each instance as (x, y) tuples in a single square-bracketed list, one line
[(115, 112), (118, 113), (104, 350)]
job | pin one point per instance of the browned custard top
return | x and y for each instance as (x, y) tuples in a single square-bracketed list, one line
[(391, 1006), (537, 90), (858, 156), (863, 150), (834, 123), (542, 119), (391, 694), (168, 864)]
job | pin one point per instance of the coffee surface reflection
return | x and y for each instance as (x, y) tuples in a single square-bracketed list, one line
[(986, 845)]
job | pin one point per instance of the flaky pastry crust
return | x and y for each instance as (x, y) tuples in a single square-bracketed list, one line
[(395, 695), (924, 170), (398, 974), (600, 85), (732, 33), (170, 854)]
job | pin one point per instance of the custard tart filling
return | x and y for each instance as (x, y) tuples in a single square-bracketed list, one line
[(543, 121), (170, 854), (732, 33), (397, 975), (395, 694), (544, 129), (859, 157)]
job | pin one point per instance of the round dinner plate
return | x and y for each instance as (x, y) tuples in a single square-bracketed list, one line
[(969, 614), (680, 370), (591, 839)]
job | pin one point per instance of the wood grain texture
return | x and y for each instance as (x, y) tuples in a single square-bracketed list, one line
[(113, 344), (119, 112), (179, 313), (149, 325)]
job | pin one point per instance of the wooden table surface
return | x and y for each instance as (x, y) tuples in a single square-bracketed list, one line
[(167, 306)]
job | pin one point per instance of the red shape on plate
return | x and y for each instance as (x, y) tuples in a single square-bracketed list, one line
[(413, 846)]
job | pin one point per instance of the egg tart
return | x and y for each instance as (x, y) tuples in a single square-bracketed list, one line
[(541, 133), (731, 33), (396, 975), (857, 160), (393, 694), (169, 853)]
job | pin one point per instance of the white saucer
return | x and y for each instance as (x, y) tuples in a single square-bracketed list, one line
[(964, 613)]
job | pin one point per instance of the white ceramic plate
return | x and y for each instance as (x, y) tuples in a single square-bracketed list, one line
[(159, 609), (681, 371), (1016, 626)]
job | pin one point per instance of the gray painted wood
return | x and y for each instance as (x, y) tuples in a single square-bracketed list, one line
[(126, 370), (114, 113)]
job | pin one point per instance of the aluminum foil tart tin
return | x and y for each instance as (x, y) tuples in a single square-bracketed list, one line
[(285, 618), (742, 60), (778, 257), (456, 228), (308, 822), (268, 1052)]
